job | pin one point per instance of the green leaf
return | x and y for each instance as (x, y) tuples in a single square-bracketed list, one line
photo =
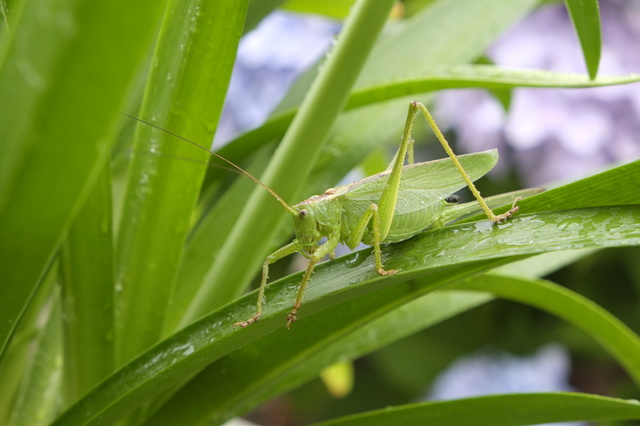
[(20, 356), (613, 335), (292, 362), (258, 10), (501, 95), (63, 77), (10, 11), (544, 264), (185, 93), (4, 28), (445, 255), (338, 9), (87, 298), (39, 400), (482, 77), (501, 410), (585, 16), (206, 241), (616, 187), (462, 76)]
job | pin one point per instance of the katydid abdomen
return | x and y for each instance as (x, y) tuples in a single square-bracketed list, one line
[(421, 200)]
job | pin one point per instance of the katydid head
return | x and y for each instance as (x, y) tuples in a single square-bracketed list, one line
[(305, 225)]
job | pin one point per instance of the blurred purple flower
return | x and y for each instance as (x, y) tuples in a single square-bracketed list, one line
[(557, 134), (497, 373), (269, 60)]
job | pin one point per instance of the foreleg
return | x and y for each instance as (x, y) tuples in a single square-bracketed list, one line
[(326, 249), (290, 248)]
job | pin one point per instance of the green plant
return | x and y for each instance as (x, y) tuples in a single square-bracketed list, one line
[(142, 321)]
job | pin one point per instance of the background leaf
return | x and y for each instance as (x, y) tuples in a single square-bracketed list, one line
[(585, 16), (87, 288), (619, 340), (498, 410), (185, 93), (60, 103)]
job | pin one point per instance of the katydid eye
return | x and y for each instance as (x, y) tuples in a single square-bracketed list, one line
[(303, 213), (452, 199)]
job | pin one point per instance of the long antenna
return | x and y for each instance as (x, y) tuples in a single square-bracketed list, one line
[(240, 169)]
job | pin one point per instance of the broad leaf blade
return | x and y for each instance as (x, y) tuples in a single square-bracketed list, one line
[(472, 248), (481, 77), (185, 94), (501, 410), (294, 361), (57, 117), (206, 241), (86, 261), (611, 333), (616, 187)]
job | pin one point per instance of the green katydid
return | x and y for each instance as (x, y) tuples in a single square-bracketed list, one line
[(388, 207)]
